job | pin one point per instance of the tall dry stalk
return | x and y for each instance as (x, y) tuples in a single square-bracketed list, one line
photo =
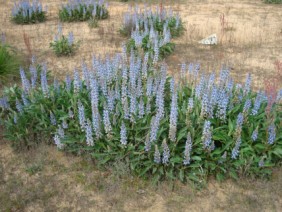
[(28, 45), (272, 84)]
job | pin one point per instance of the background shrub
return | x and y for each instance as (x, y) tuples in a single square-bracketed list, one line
[(25, 12), (148, 18), (83, 10)]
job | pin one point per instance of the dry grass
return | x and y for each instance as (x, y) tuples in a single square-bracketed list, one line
[(250, 36), (48, 180)]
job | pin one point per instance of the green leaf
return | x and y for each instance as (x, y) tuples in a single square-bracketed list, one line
[(176, 159), (278, 152), (233, 174), (196, 158), (219, 177), (181, 175)]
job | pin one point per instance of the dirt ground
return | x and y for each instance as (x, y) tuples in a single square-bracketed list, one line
[(48, 180), (249, 33), (45, 179)]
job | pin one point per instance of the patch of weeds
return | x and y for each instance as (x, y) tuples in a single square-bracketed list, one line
[(97, 183), (15, 195), (237, 201), (273, 1), (34, 168), (83, 165), (93, 23), (229, 29), (2, 180), (80, 178), (120, 169), (176, 202), (57, 167)]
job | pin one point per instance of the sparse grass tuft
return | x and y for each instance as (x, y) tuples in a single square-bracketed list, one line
[(34, 168), (273, 1), (93, 23)]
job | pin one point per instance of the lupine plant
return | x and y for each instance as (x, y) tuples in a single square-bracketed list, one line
[(83, 10), (150, 42), (25, 12), (64, 45), (122, 109), (143, 20)]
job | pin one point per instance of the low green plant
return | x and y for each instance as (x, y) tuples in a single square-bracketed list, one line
[(9, 63), (33, 169), (83, 10), (93, 23), (127, 111), (64, 46), (25, 12), (273, 1), (148, 46)]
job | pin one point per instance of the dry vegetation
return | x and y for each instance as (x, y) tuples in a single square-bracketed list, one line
[(250, 34), (48, 180)]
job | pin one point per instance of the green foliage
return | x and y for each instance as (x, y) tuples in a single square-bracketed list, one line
[(174, 24), (33, 125), (93, 23), (63, 47), (148, 47), (83, 12), (9, 63), (33, 169)]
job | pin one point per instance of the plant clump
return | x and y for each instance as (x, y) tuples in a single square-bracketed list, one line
[(137, 19), (64, 45), (156, 46), (83, 10), (123, 109), (25, 12)]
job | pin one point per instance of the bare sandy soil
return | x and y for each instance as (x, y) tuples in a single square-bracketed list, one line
[(249, 31)]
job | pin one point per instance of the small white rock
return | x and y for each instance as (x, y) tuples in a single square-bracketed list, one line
[(210, 40)]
